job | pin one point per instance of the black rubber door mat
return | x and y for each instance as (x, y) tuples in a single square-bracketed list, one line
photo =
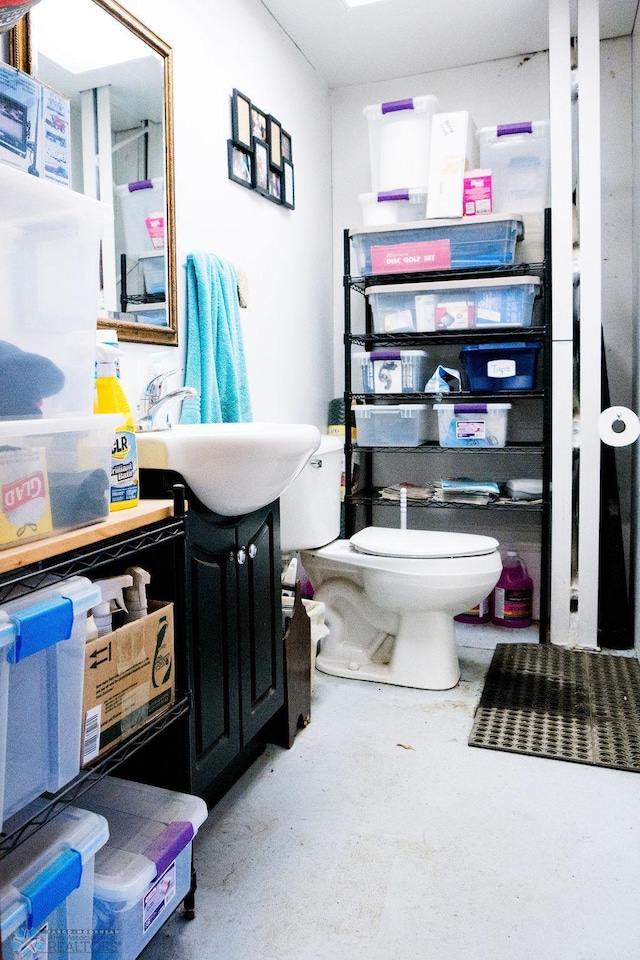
[(546, 701)]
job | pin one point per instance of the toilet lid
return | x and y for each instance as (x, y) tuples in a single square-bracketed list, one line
[(421, 544)]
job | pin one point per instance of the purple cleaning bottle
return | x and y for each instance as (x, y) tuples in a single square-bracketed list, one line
[(512, 594)]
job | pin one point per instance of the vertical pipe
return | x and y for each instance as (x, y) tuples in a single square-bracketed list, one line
[(590, 318), (562, 311)]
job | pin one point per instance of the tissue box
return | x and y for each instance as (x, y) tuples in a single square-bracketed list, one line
[(453, 150), (477, 193), (129, 678)]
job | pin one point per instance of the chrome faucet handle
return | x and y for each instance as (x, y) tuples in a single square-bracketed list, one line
[(155, 389)]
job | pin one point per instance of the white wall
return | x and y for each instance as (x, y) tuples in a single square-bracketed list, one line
[(286, 254)]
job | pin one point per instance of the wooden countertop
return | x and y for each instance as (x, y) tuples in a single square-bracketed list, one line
[(121, 521)]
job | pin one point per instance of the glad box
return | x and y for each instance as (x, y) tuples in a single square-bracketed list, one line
[(25, 508), (408, 257), (129, 678)]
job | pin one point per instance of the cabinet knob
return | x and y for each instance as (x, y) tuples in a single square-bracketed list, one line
[(231, 556), (253, 550), (241, 555)]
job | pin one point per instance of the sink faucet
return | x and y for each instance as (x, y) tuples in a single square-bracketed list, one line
[(154, 402)]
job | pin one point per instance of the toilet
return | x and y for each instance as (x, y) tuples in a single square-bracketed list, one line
[(390, 595)]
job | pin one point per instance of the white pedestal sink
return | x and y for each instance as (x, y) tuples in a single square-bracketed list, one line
[(233, 468)]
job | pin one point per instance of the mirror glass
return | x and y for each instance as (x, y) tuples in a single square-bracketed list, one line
[(117, 75)]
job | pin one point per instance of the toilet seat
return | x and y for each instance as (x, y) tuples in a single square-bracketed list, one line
[(421, 544)]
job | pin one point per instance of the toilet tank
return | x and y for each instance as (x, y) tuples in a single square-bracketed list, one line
[(310, 506)]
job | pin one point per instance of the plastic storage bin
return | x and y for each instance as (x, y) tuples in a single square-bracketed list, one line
[(54, 475), (153, 313), (153, 272), (144, 871), (472, 424), (394, 206), (518, 155), (392, 371), (49, 263), (42, 638), (453, 304), (46, 889), (139, 201), (399, 142), (404, 425), (500, 366), (436, 245)]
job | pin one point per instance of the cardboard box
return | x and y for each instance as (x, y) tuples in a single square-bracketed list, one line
[(34, 126), (54, 153), (19, 117), (129, 678), (453, 151), (25, 506)]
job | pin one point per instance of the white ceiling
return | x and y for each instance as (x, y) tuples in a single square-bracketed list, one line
[(400, 38)]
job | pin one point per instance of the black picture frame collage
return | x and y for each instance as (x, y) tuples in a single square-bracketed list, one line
[(259, 153)]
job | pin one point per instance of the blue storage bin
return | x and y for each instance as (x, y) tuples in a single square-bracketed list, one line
[(436, 245), (499, 367), (46, 889), (42, 641)]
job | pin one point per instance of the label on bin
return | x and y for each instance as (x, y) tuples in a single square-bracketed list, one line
[(501, 368), (411, 257), (158, 897)]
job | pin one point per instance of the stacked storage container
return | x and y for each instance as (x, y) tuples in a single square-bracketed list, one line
[(399, 144), (46, 889), (144, 871), (54, 454), (42, 640)]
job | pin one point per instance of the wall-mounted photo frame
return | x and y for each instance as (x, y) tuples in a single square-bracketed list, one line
[(288, 187), (285, 140), (274, 139), (261, 166), (241, 119), (275, 186), (240, 164), (258, 123)]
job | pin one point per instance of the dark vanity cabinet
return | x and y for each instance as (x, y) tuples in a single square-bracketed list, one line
[(233, 584)]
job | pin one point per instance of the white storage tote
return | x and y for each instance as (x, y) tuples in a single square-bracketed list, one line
[(46, 889), (391, 370), (42, 638), (401, 425), (518, 155), (393, 206), (400, 142), (144, 871), (49, 277)]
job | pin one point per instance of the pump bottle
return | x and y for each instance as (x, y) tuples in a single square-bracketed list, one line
[(111, 398)]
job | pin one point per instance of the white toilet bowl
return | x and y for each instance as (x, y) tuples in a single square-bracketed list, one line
[(390, 595)]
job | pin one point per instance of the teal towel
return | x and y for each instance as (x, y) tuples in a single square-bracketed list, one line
[(215, 351)]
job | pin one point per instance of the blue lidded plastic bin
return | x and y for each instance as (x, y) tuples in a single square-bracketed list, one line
[(46, 889), (499, 367)]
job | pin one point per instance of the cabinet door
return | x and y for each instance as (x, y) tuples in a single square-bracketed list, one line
[(260, 620), (215, 718)]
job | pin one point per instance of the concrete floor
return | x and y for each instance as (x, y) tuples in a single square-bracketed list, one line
[(382, 835)]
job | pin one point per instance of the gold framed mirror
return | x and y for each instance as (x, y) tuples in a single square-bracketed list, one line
[(121, 148)]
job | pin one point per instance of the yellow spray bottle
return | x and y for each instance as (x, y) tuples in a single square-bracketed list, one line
[(111, 398)]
